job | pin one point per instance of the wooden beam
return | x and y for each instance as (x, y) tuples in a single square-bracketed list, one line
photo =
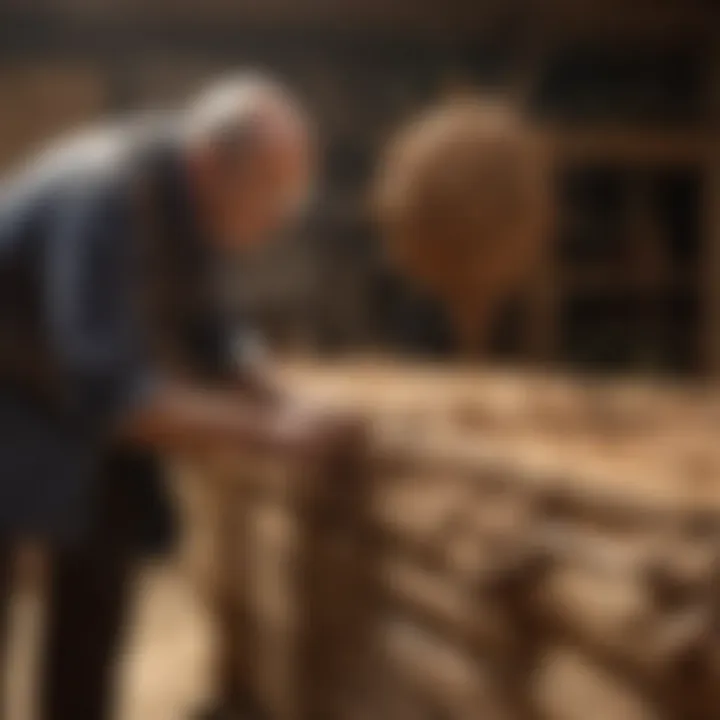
[(460, 18), (622, 145)]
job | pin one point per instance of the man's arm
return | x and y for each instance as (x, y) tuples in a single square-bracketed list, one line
[(178, 416), (94, 333)]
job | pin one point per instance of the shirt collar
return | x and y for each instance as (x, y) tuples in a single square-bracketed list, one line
[(178, 203)]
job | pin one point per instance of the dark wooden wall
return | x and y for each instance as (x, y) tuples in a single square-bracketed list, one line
[(628, 96)]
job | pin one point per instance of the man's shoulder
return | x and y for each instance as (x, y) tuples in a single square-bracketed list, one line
[(100, 161)]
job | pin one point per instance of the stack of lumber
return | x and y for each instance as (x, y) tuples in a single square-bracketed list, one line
[(516, 547)]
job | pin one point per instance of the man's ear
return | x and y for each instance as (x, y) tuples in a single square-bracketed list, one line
[(210, 165)]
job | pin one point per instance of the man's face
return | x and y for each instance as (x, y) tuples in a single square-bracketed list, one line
[(257, 197)]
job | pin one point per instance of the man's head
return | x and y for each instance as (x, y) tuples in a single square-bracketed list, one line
[(250, 152)]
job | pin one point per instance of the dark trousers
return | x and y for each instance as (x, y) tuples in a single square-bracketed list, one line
[(89, 591)]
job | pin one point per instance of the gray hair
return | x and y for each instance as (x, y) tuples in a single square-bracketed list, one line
[(233, 112)]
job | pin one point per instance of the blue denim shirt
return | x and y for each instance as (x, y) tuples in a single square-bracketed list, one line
[(68, 277)]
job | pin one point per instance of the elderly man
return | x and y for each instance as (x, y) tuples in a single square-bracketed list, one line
[(114, 346)]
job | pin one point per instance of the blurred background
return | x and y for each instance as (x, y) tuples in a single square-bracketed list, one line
[(628, 93)]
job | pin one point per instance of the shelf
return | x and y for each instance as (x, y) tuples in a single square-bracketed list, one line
[(614, 279), (641, 145)]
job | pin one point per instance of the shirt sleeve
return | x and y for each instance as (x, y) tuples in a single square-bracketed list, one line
[(223, 345), (92, 322), (248, 348)]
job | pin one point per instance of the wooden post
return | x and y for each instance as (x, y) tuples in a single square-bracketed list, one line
[(710, 228), (711, 268), (237, 642), (542, 309), (333, 574)]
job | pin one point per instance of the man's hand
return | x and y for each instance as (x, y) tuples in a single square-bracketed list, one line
[(317, 434)]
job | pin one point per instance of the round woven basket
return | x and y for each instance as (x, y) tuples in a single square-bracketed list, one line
[(463, 198)]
